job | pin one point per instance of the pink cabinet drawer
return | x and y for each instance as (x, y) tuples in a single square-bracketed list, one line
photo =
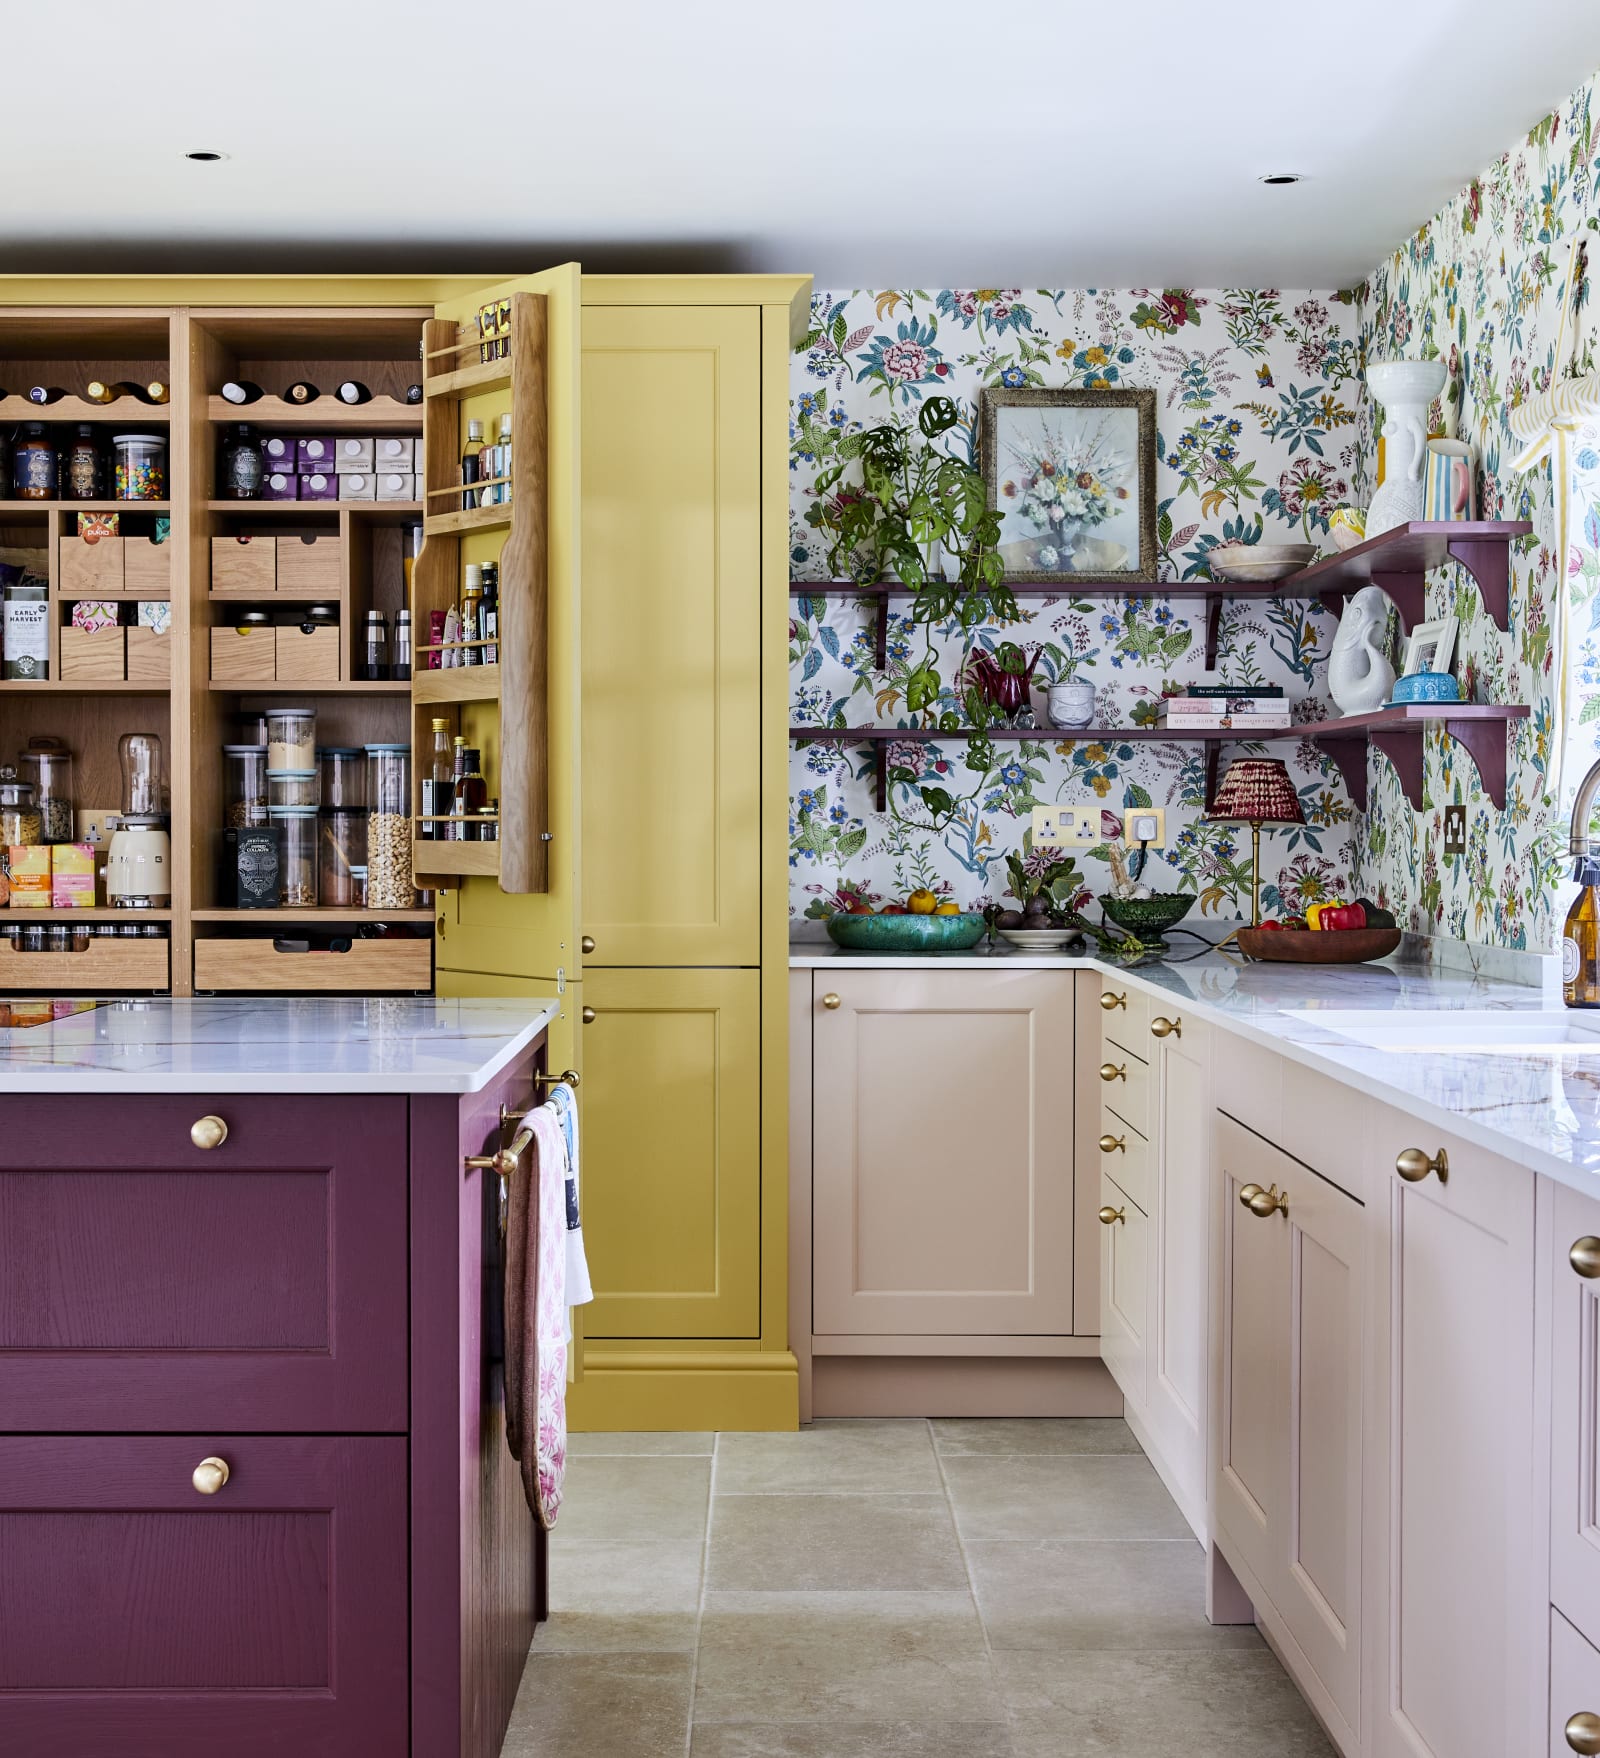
[(149, 1284), (142, 1618)]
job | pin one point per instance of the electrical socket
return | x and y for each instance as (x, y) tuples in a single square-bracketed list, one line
[(1144, 824), (1455, 830), (1066, 826)]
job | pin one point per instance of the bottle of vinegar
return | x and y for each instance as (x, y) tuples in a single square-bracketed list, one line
[(1580, 945)]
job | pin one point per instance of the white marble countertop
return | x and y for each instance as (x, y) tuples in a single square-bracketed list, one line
[(1539, 1108), (365, 1044)]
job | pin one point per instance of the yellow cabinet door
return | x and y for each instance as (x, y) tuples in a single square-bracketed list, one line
[(671, 1109), (671, 637)]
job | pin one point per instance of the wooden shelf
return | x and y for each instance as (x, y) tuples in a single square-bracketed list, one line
[(314, 687), (456, 683), (467, 519), (11, 917), (1399, 561), (304, 509), (454, 859), (469, 381), (122, 410), (267, 598), (60, 506), (121, 594), (81, 687), (326, 413), (325, 915)]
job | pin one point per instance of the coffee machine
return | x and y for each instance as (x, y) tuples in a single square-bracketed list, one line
[(138, 869)]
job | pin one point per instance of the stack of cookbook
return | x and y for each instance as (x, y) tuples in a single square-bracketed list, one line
[(1220, 707)]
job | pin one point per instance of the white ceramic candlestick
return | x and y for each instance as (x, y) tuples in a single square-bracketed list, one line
[(1405, 389)]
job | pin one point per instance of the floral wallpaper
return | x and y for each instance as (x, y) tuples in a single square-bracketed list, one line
[(1260, 412), (1479, 286)]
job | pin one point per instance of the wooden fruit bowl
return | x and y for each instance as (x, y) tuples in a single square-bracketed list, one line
[(1308, 946)]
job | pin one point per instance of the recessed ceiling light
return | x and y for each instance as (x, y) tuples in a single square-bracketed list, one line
[(1280, 177), (205, 158)]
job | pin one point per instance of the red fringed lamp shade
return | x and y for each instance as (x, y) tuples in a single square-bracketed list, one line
[(1256, 790)]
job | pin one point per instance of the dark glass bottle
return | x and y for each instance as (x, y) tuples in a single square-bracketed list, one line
[(301, 391), (82, 472), (34, 464), (45, 393), (242, 465), (471, 794), (413, 394), (1580, 945), (455, 831), (353, 391), (489, 613)]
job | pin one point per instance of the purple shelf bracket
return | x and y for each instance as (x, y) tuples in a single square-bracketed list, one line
[(880, 647), (880, 761), (1404, 751), (1213, 623), (1485, 740), (1213, 758), (1489, 563), (1350, 754), (1410, 595)]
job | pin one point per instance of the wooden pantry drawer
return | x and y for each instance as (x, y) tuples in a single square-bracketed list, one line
[(88, 569), (309, 564), (243, 656), (1126, 1083), (105, 963), (246, 565), (1129, 1160), (145, 1618), (147, 567), (149, 1283), (254, 964), (1125, 1015), (94, 656)]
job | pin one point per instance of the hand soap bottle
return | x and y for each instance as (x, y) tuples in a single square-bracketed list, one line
[(1580, 945)]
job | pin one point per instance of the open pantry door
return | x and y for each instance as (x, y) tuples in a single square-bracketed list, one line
[(501, 366)]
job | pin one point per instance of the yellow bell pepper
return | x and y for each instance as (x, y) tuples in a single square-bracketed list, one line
[(1314, 911)]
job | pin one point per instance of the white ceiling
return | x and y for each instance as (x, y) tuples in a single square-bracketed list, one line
[(871, 142)]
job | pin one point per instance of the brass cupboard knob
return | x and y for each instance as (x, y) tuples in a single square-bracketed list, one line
[(831, 1002), (586, 944), (1113, 1144), (1166, 1028), (209, 1132), (1265, 1202), (210, 1475), (1413, 1165), (1583, 1732), (1111, 1002), (587, 1015), (1110, 1071), (1585, 1259), (1109, 1217)]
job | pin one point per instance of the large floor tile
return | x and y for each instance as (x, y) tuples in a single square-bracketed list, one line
[(621, 1597), (635, 1500), (631, 1444), (1058, 1595), (958, 1739), (622, 1705), (843, 1657), (1034, 1434), (851, 1457), (1202, 1705), (1000, 1497), (800, 1543)]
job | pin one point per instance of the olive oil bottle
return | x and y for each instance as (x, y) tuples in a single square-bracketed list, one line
[(1580, 945)]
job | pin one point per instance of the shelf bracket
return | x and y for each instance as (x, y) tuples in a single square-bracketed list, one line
[(1490, 565), (1351, 757), (880, 761), (1409, 593), (1213, 759), (881, 640), (1485, 741), (1213, 623), (1404, 751)]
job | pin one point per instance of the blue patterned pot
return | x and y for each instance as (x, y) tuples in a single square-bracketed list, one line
[(1425, 686)]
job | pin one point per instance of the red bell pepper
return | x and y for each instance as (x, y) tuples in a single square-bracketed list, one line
[(1272, 927), (1343, 915)]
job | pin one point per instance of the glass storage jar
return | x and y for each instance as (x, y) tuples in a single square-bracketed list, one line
[(342, 852), (291, 738), (47, 766), (292, 787), (344, 776), (297, 882), (389, 885), (244, 776), (20, 823), (141, 466)]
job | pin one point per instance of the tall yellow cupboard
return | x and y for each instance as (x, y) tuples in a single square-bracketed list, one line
[(672, 961)]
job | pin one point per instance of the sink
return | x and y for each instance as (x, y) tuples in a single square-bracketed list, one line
[(1461, 1031)]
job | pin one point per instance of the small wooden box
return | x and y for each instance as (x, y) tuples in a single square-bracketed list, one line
[(243, 656), (149, 656), (90, 569), (309, 564), (97, 656), (235, 963), (244, 564), (147, 567), (308, 654)]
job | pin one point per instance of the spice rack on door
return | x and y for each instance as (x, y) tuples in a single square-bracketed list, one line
[(516, 685)]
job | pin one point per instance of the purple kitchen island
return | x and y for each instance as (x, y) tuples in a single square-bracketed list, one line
[(255, 1497)]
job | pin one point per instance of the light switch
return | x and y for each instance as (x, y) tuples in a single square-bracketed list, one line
[(1144, 824), (1066, 826)]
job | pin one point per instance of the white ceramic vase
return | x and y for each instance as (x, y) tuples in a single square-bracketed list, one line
[(1360, 676), (1072, 703), (1404, 389)]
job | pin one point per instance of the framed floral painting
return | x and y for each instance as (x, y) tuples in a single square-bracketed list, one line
[(1072, 475)]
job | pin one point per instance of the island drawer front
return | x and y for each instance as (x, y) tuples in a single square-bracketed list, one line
[(147, 1283), (1128, 1092), (1125, 1156), (145, 1618), (236, 963), (1125, 1013)]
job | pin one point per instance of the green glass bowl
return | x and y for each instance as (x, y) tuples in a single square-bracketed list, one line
[(1148, 917), (906, 933)]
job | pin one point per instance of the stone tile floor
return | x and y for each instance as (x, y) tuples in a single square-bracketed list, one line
[(889, 1589)]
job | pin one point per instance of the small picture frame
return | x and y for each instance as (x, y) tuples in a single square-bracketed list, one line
[(1430, 647)]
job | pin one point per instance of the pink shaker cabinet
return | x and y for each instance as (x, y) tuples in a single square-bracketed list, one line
[(254, 1492)]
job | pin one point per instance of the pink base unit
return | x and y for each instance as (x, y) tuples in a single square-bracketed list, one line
[(255, 1496)]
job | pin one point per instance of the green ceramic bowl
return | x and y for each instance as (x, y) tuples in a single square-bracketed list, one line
[(906, 933), (1148, 917)]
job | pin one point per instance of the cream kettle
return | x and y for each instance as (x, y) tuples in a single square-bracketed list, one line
[(138, 869)]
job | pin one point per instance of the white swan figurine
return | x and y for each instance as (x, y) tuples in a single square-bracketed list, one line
[(1360, 677)]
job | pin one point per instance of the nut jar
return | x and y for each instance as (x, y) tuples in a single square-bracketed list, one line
[(389, 885), (297, 881), (341, 854), (244, 778), (47, 765), (292, 787)]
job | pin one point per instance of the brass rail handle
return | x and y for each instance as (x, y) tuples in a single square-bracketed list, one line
[(1109, 1001), (504, 1161), (1414, 1165), (1113, 1144), (1110, 1071), (1109, 1217)]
